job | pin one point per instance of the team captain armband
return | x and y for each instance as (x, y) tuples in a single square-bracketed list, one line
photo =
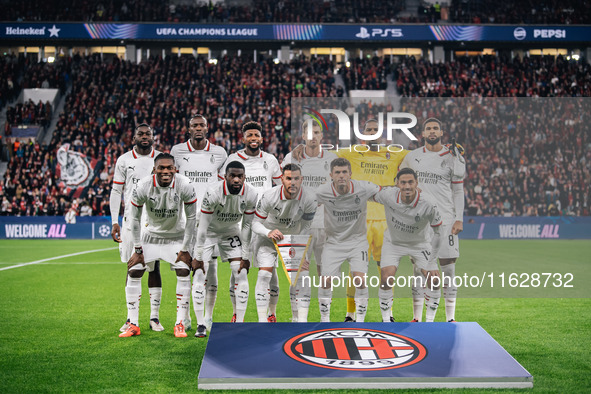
[(308, 215)]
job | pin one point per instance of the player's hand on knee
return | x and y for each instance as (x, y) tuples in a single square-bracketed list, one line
[(244, 264), (305, 265), (197, 265), (135, 260), (116, 233), (185, 257), (457, 227)]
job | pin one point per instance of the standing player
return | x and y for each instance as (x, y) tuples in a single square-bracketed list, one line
[(376, 162), (200, 161), (408, 215), (224, 206), (170, 202), (129, 169), (315, 165), (288, 209), (262, 172), (345, 212), (441, 173)]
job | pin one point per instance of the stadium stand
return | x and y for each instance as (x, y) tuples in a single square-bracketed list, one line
[(315, 11), (532, 173)]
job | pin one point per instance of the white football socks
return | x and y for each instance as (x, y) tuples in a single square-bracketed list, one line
[(198, 292), (241, 291), (418, 298), (155, 297), (273, 293), (211, 287), (262, 294), (386, 299), (133, 292), (324, 301), (449, 292), (183, 296)]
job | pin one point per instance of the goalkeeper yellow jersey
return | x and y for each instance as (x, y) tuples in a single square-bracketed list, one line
[(377, 167)]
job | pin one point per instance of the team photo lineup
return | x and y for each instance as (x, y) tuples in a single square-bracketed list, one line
[(197, 203)]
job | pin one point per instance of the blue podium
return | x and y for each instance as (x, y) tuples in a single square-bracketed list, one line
[(357, 356)]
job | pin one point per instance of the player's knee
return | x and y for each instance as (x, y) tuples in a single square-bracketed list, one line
[(182, 272), (135, 273)]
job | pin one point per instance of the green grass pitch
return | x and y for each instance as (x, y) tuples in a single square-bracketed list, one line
[(59, 319)]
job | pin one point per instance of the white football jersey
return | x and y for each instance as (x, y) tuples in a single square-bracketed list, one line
[(283, 214), (227, 209), (345, 215), (260, 171), (129, 169), (315, 172), (165, 205), (200, 166), (408, 223), (435, 171)]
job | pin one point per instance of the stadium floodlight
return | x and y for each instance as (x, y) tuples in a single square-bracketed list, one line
[(576, 57), (50, 59), (348, 64), (213, 61), (276, 60)]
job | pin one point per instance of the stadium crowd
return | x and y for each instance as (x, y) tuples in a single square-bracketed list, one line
[(535, 171), (311, 11)]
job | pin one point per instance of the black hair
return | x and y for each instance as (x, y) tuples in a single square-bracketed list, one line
[(432, 120), (252, 125), (235, 164), (406, 171), (199, 116), (291, 167), (340, 162), (163, 156)]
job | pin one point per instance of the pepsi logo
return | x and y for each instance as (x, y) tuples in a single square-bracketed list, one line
[(354, 349)]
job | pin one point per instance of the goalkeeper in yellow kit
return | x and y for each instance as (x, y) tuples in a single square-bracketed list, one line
[(379, 165)]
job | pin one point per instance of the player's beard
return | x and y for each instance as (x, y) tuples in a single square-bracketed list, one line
[(250, 149), (235, 189), (145, 145), (433, 141)]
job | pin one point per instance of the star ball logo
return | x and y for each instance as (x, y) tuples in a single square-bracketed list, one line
[(354, 349)]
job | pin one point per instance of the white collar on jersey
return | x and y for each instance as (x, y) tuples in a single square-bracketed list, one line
[(242, 154), (413, 203), (136, 155), (156, 184), (191, 149), (227, 192), (320, 156), (282, 195), (444, 150), (334, 191)]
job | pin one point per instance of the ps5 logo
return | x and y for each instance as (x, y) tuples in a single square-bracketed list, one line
[(378, 32)]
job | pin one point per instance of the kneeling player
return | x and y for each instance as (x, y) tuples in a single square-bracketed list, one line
[(225, 204), (166, 195), (408, 214), (288, 209)]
